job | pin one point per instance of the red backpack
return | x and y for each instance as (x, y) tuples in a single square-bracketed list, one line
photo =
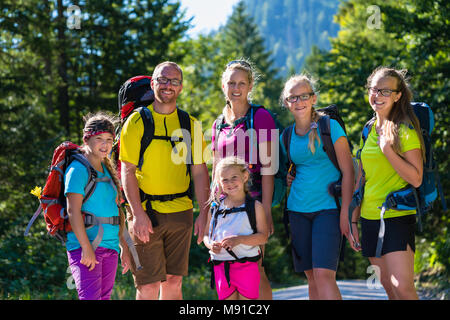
[(53, 203), (52, 200)]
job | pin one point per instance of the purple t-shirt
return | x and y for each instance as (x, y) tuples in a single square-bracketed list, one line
[(235, 141)]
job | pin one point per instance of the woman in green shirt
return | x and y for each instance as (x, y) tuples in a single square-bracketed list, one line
[(392, 158)]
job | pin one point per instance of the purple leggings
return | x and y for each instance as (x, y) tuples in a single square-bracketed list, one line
[(98, 283)]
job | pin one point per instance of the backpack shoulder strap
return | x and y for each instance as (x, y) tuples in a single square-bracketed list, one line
[(286, 138), (251, 213), (218, 123), (185, 124), (217, 126), (366, 130), (149, 132), (214, 208), (325, 134), (92, 174), (250, 121), (185, 119)]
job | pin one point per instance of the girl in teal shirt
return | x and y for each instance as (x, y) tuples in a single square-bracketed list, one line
[(94, 269), (316, 224)]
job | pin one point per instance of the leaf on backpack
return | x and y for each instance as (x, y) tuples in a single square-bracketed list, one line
[(36, 192)]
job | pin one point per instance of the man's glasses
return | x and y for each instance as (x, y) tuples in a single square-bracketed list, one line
[(384, 92), (242, 62), (302, 97), (164, 80)]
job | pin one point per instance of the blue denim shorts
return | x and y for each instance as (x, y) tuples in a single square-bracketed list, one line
[(316, 239)]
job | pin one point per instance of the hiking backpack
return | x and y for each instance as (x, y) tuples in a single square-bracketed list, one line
[(279, 189), (408, 198), (52, 201), (53, 204), (135, 95)]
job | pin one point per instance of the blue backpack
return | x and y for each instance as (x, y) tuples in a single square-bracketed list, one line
[(408, 198)]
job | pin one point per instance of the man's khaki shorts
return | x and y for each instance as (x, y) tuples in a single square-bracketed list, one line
[(167, 252)]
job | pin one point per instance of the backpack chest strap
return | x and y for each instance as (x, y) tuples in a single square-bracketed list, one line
[(91, 220)]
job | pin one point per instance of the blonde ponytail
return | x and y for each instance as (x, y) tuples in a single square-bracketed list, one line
[(313, 135)]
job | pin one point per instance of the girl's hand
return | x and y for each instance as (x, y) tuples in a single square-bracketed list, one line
[(88, 258), (343, 224), (230, 242), (353, 238), (270, 226), (216, 247), (289, 179), (383, 142), (125, 260)]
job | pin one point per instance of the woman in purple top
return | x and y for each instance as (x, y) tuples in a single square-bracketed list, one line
[(232, 137)]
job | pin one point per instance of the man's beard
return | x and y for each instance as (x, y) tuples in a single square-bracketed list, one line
[(165, 99)]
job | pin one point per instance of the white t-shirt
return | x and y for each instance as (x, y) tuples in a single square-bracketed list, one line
[(235, 223)]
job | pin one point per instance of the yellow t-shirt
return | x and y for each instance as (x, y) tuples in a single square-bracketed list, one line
[(381, 178), (163, 170)]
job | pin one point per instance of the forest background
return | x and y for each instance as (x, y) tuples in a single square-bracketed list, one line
[(58, 63)]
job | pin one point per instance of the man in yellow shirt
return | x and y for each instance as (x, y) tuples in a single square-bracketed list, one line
[(162, 229)]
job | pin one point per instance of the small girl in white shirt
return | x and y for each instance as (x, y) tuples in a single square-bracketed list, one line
[(237, 227)]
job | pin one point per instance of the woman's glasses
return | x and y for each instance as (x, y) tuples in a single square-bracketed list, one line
[(384, 92)]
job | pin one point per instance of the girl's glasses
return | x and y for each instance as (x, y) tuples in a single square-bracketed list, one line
[(302, 97)]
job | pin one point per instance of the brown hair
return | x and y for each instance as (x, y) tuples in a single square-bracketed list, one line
[(402, 111)]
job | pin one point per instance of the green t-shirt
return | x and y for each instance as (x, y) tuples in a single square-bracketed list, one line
[(381, 178)]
